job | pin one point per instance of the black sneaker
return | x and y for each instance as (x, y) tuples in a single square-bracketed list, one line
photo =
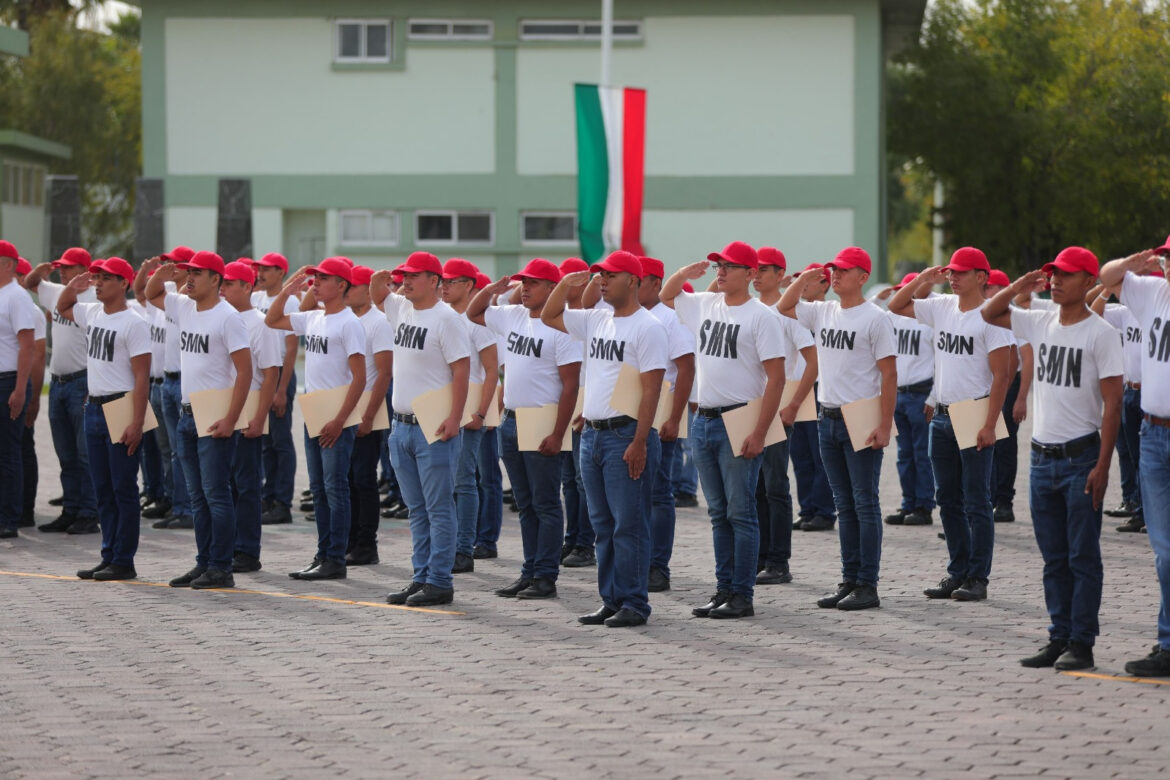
[(833, 599), (213, 578), (685, 500), (185, 522), (540, 588), (1003, 514), (738, 606), (776, 574), (566, 550), (512, 590), (401, 596), (186, 580), (362, 556), (158, 509), (115, 572), (1156, 664), (1126, 509), (1134, 525), (463, 564), (719, 599), (83, 525), (861, 597), (897, 517), (1047, 655), (799, 524), (164, 522), (657, 581), (944, 589), (482, 553), (581, 557), (818, 523), (60, 525), (972, 589), (87, 574), (1076, 656), (279, 513), (242, 562), (430, 596), (919, 516)]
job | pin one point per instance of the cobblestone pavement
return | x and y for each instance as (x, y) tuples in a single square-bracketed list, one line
[(134, 679)]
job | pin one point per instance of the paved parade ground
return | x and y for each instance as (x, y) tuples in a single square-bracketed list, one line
[(281, 678)]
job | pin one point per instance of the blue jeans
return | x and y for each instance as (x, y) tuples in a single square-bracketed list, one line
[(115, 480), (1068, 533), (963, 478), (729, 485), (426, 477), (662, 513), (278, 455), (67, 424), (854, 477), (246, 489), (329, 484), (364, 507), (163, 442), (150, 463), (578, 529), (1129, 446), (812, 483), (1155, 465), (774, 507), (491, 492), (1005, 461), (207, 464), (684, 473), (31, 477), (12, 459), (467, 492), (171, 405), (914, 472), (619, 510), (536, 481)]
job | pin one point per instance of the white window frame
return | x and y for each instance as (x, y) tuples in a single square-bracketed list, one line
[(450, 35), (363, 58), (525, 240), (12, 188), (369, 215), (454, 214), (580, 34)]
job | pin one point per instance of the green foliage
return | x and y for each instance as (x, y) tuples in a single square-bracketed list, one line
[(1048, 122)]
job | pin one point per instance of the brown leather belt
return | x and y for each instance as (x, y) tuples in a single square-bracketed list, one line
[(1161, 422)]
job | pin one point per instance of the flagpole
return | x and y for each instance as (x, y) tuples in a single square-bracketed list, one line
[(606, 41)]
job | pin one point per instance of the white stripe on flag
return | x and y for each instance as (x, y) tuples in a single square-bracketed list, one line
[(613, 113)]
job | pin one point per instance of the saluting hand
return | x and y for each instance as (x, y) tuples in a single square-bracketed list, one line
[(932, 276), (294, 283), (695, 270), (81, 282), (1033, 281), (576, 278)]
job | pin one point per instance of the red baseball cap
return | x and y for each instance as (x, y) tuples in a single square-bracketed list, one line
[(737, 253), (113, 265), (906, 280), (421, 262), (620, 261), (23, 267), (179, 254), (968, 258), (8, 250), (770, 255), (362, 274), (572, 265), (825, 268), (998, 278), (1164, 249), (396, 274), (688, 287), (273, 260), (539, 268), (345, 260), (332, 266), (652, 266), (1073, 259), (851, 257), (208, 261), (74, 255), (482, 280), (239, 271), (458, 268)]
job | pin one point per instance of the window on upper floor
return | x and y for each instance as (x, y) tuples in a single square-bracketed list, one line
[(362, 40), (549, 227), (449, 30), (577, 30), (22, 184), (363, 226), (454, 227)]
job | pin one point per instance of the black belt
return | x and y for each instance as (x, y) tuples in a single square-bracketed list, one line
[(409, 419), (713, 412), (942, 410), (7, 375), (156, 380), (171, 374), (186, 409), (101, 400), (1070, 449), (917, 387), (832, 412), (63, 378), (504, 415), (611, 423)]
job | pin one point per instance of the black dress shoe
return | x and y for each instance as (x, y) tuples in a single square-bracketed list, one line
[(946, 586), (296, 575), (897, 517), (737, 606), (390, 500), (482, 552), (326, 570), (685, 500), (362, 556), (830, 601), (1003, 514), (87, 574), (58, 501), (402, 514), (861, 597), (60, 525), (507, 494), (919, 516), (401, 596), (818, 523), (163, 522), (242, 563), (214, 578), (580, 558), (278, 514), (566, 551), (84, 525), (512, 590), (186, 522), (1134, 525), (1125, 510), (717, 600), (1047, 655), (540, 588), (657, 582), (307, 506), (157, 509), (598, 617), (1076, 656), (463, 564), (311, 517), (27, 520), (625, 618), (777, 574), (115, 572), (430, 596), (8, 533), (972, 589), (186, 580)]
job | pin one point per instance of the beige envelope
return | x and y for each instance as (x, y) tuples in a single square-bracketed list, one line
[(535, 423), (433, 406), (861, 417), (740, 423), (967, 417), (665, 406), (321, 406), (808, 407), (120, 413), (627, 395), (208, 406), (381, 417), (492, 418)]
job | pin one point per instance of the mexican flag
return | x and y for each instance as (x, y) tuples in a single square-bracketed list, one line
[(611, 143)]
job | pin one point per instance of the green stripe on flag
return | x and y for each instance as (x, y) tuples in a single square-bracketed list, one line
[(592, 172)]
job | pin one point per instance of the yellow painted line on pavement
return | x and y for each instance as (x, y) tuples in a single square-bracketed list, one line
[(1117, 678), (274, 594)]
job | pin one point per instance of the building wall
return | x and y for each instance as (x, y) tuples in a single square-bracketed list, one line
[(24, 226)]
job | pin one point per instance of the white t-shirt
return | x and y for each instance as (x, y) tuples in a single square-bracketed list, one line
[(113, 339), (264, 343), (17, 313), (172, 363), (801, 337), (68, 338), (962, 341), (207, 340), (40, 328), (639, 340), (1122, 318), (731, 344), (850, 342), (479, 338), (679, 340), (1148, 299), (534, 353), (1070, 362), (330, 340), (915, 349), (262, 302), (379, 338), (157, 322), (426, 343)]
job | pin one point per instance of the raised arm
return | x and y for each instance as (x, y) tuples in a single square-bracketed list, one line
[(791, 296), (39, 274), (1113, 272), (997, 310), (554, 308), (902, 303), (673, 286), (276, 318), (68, 297), (483, 299)]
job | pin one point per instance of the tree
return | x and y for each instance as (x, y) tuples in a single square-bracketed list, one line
[(1047, 121)]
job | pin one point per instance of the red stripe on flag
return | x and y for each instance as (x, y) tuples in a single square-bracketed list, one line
[(633, 154)]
